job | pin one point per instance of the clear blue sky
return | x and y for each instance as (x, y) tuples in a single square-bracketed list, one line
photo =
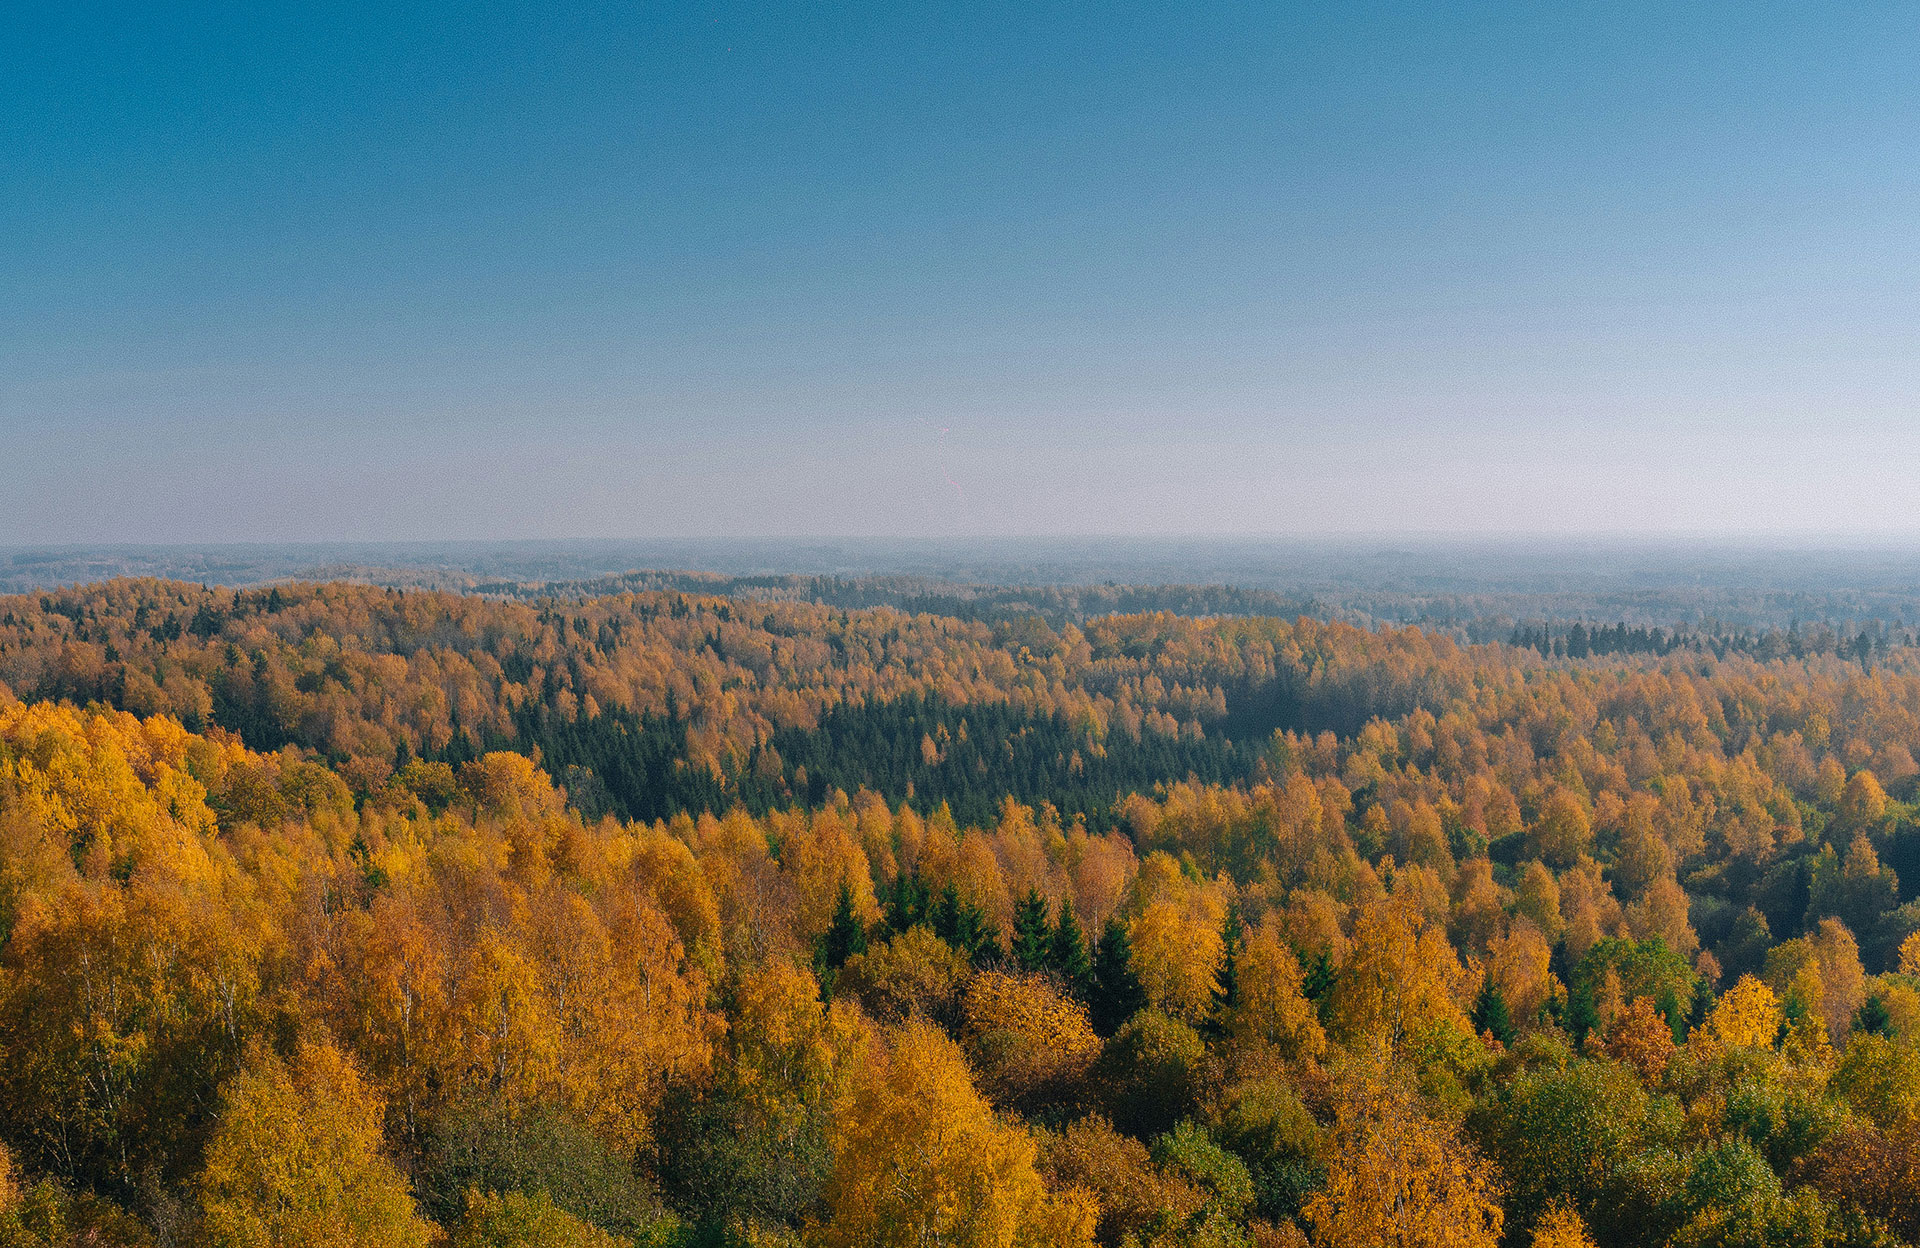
[(542, 270)]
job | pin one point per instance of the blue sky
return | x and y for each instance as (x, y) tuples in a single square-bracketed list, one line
[(490, 271)]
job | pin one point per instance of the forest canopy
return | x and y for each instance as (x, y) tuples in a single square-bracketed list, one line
[(336, 914)]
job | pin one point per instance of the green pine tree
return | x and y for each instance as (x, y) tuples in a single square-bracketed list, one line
[(1873, 1018), (944, 911), (1032, 932), (1582, 1015), (1317, 985), (1669, 1007), (1490, 1014), (844, 936), (1226, 992), (908, 902), (962, 925), (1067, 953), (1117, 994), (974, 936)]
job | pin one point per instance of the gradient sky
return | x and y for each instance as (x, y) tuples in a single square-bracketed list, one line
[(488, 271)]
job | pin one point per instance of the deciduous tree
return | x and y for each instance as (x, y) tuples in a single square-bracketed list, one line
[(922, 1160), (296, 1161)]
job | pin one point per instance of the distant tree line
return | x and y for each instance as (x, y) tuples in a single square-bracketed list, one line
[(1581, 640)]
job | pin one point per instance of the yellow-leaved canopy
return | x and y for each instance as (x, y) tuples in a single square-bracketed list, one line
[(1024, 1036), (1398, 1178), (922, 1159), (1746, 1017), (130, 966), (296, 1161)]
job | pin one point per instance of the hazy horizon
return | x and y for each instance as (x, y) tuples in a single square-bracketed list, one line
[(1464, 586), (1757, 540)]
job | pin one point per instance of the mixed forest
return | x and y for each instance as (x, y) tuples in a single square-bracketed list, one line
[(341, 915)]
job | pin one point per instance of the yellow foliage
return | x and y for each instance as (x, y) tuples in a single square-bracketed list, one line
[(544, 995), (1563, 831), (1843, 981), (786, 1045), (1823, 970), (820, 856), (1747, 1016), (1863, 802), (167, 897), (1519, 963), (1024, 1036), (1272, 1010), (1561, 1227), (1134, 1196), (922, 1160), (113, 790), (93, 972), (1399, 1179), (1176, 940), (1903, 1007), (295, 1161), (503, 784), (1538, 899), (914, 972), (516, 1220), (1400, 977), (1312, 923), (654, 864)]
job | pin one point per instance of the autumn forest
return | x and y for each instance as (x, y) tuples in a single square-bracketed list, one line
[(334, 914)]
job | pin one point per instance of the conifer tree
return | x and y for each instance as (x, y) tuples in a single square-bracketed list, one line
[(1582, 1015), (1490, 1014), (970, 930), (962, 925), (1117, 994), (844, 936), (943, 913), (1318, 984), (1226, 993), (1067, 953), (1031, 932), (908, 902), (1669, 1008), (1873, 1017)]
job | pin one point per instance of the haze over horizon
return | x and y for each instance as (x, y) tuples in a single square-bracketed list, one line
[(442, 272)]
